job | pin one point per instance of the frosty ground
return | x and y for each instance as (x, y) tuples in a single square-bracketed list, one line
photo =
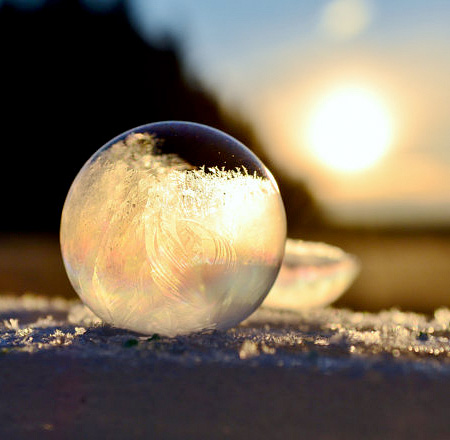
[(327, 373)]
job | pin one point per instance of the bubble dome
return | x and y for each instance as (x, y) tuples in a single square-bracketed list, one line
[(172, 228)]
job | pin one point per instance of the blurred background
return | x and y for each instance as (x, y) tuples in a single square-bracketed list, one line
[(346, 101)]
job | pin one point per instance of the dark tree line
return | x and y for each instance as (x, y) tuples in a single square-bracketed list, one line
[(71, 80)]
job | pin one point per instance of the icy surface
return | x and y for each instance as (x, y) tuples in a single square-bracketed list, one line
[(156, 239), (327, 340)]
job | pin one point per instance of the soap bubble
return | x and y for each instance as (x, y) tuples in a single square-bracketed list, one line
[(172, 228), (312, 275)]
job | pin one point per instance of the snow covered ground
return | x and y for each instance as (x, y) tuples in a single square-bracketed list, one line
[(328, 373)]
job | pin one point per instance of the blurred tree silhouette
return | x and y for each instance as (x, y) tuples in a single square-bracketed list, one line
[(72, 80)]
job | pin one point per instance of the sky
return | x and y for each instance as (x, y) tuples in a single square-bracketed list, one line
[(383, 68), (350, 96)]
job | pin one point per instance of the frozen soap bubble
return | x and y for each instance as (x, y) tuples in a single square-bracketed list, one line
[(172, 228), (312, 275)]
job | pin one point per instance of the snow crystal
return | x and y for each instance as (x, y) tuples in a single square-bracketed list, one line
[(328, 340), (248, 349)]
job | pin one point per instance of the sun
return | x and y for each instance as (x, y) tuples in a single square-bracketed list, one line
[(350, 129)]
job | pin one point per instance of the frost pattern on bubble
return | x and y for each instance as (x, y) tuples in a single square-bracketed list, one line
[(152, 244), (312, 275)]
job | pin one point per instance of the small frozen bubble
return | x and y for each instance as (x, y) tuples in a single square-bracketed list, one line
[(312, 275), (171, 228)]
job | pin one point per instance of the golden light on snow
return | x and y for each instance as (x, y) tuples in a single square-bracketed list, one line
[(350, 129)]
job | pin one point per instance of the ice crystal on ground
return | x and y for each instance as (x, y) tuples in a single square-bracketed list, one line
[(329, 340), (248, 349)]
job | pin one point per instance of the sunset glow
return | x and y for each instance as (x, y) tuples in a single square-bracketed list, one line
[(349, 130)]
